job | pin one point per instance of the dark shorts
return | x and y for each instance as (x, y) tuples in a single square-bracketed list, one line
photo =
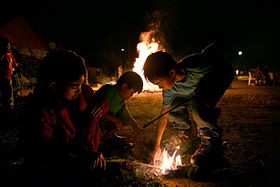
[(213, 86)]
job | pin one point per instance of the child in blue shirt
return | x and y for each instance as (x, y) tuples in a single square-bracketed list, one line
[(204, 76)]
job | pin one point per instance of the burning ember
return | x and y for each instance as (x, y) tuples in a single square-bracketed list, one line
[(145, 48)]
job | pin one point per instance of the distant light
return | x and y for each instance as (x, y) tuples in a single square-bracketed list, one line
[(239, 53), (122, 49), (52, 45), (237, 72)]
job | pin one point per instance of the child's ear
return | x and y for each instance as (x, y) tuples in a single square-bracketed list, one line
[(52, 85), (124, 86), (172, 73)]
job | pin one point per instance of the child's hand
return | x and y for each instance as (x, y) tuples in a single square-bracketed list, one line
[(96, 112), (156, 155), (136, 129), (118, 124)]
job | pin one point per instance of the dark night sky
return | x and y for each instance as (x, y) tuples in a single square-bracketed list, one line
[(250, 26)]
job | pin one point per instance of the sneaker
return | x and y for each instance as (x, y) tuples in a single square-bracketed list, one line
[(117, 142), (118, 139), (210, 150), (187, 141)]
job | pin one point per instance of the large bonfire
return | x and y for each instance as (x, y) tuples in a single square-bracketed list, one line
[(146, 47)]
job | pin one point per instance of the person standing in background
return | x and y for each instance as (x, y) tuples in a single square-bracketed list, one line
[(8, 65)]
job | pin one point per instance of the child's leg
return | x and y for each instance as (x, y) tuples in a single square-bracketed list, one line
[(6, 94), (124, 116), (210, 90), (211, 148), (180, 115), (108, 129), (185, 134), (179, 118), (204, 115)]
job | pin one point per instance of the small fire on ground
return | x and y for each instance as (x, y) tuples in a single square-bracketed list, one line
[(146, 47), (167, 162)]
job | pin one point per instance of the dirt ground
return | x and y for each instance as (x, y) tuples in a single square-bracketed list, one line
[(250, 119)]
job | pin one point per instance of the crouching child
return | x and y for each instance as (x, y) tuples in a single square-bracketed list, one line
[(204, 77), (62, 124), (118, 114)]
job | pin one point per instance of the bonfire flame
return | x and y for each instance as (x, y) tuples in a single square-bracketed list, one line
[(145, 48)]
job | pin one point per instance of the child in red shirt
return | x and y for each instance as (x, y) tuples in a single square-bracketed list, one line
[(62, 121)]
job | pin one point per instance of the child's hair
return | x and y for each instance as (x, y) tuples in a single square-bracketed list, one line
[(158, 65), (62, 66), (132, 79)]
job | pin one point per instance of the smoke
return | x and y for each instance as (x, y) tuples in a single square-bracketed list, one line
[(154, 32), (152, 37), (161, 24)]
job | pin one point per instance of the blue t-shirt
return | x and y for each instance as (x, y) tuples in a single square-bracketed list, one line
[(193, 75)]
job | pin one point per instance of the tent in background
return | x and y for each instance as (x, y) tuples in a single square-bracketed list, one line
[(24, 38)]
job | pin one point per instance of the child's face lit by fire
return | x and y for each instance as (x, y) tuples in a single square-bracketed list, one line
[(165, 82), (126, 93), (73, 89)]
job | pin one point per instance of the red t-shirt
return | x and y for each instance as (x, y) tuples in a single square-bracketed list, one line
[(61, 119)]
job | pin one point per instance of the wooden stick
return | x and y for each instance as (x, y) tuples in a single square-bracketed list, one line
[(131, 161), (176, 106)]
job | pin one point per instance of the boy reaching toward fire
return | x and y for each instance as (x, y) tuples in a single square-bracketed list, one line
[(205, 76), (118, 115), (62, 123)]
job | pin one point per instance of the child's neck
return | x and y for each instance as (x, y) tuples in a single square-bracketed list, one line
[(179, 77), (119, 90)]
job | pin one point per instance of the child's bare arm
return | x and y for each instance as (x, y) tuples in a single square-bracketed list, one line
[(110, 117), (132, 121)]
